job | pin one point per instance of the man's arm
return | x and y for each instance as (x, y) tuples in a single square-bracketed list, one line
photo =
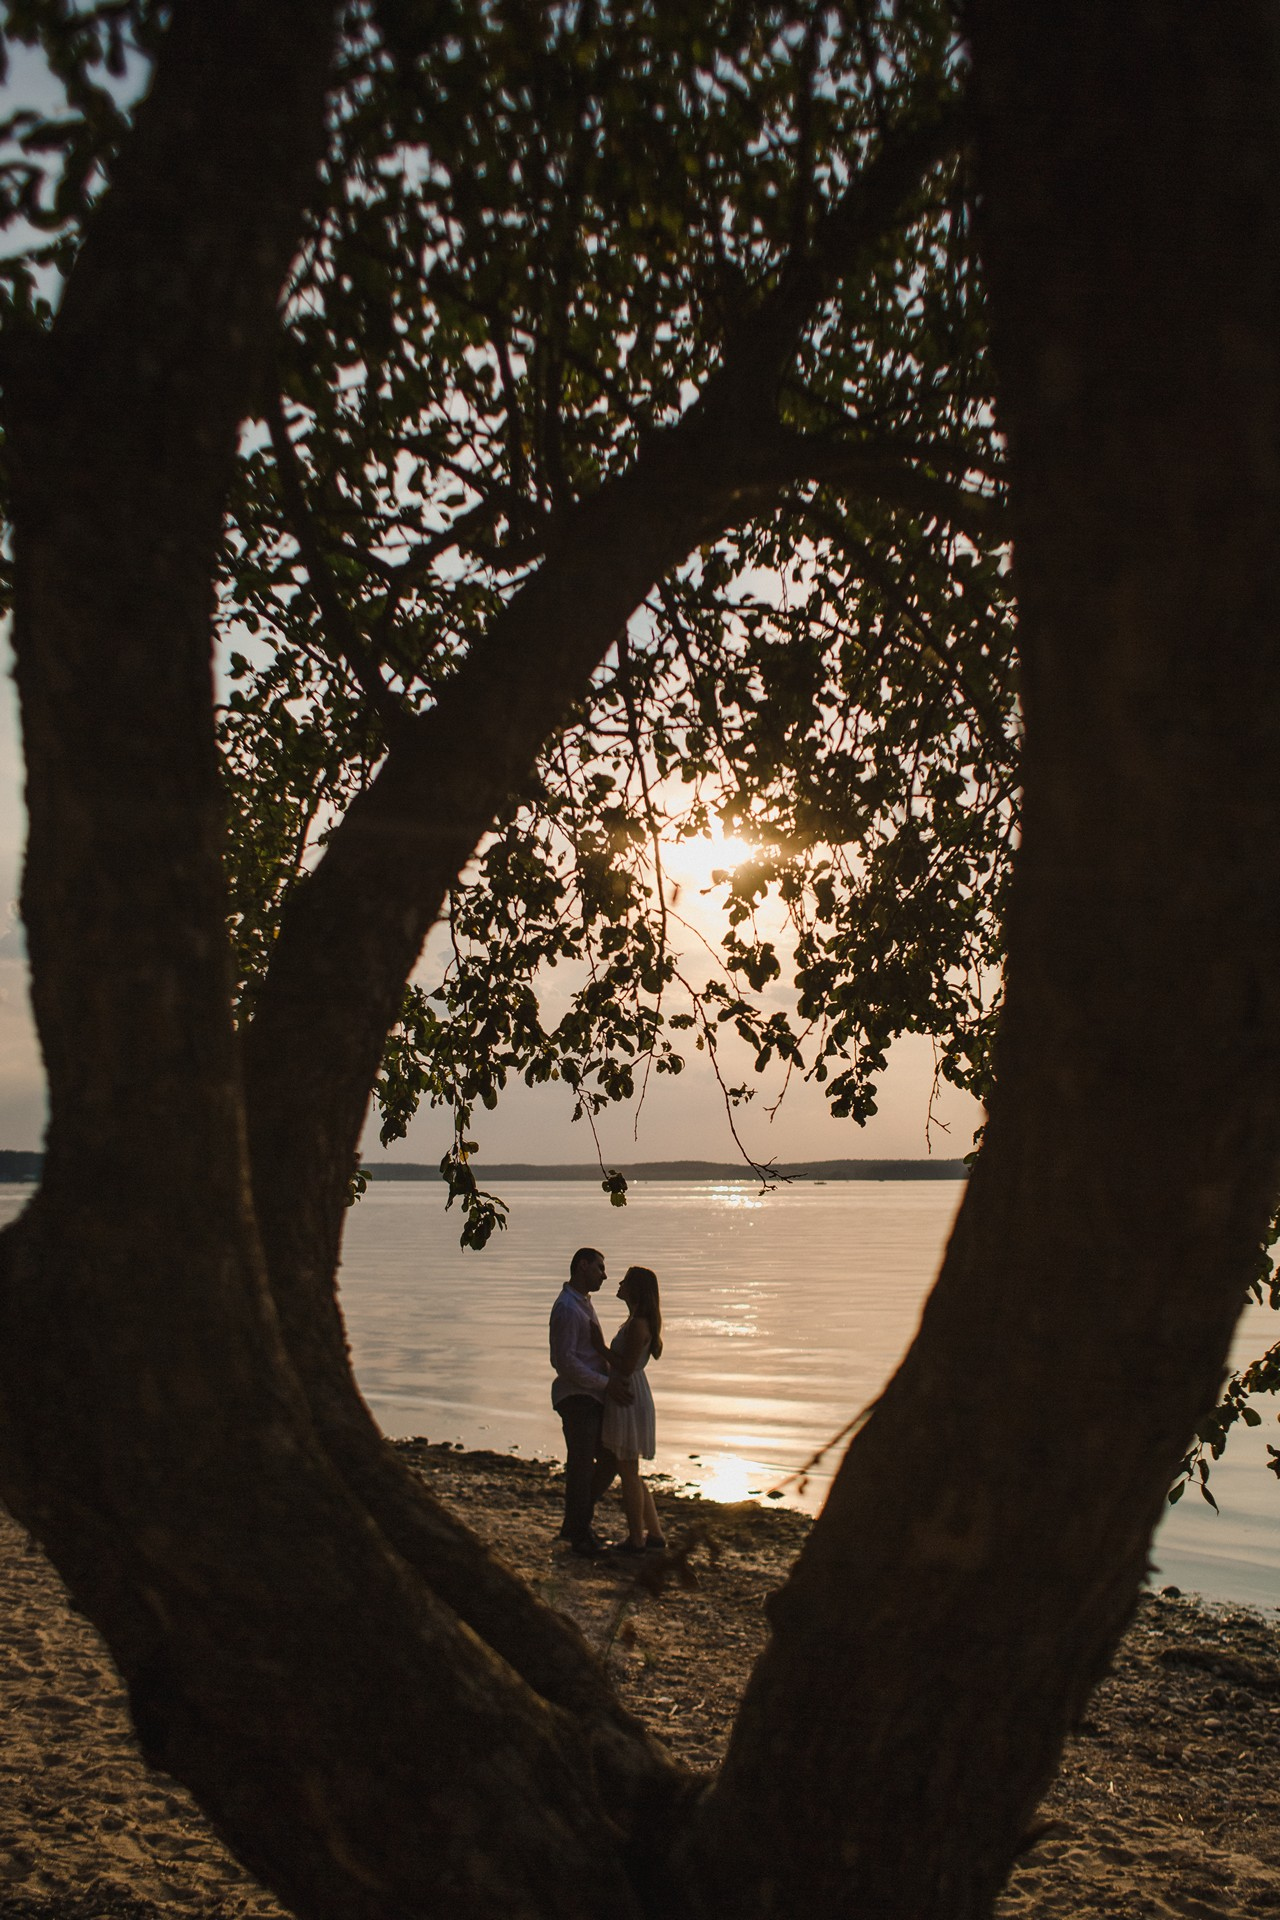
[(571, 1350)]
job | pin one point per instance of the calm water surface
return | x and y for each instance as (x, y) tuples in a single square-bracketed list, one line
[(784, 1314)]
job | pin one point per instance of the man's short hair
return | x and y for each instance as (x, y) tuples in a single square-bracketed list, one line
[(582, 1258)]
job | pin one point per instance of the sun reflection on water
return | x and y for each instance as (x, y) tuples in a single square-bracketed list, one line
[(741, 1199), (728, 1477), (731, 1329)]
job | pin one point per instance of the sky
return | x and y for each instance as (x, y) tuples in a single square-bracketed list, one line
[(684, 1119), (21, 1077)]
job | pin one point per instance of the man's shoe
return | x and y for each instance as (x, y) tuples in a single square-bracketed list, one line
[(588, 1549)]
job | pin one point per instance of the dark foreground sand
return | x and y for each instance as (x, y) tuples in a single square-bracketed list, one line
[(1168, 1802)]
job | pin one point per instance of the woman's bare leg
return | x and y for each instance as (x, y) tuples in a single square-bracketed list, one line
[(652, 1524), (633, 1496)]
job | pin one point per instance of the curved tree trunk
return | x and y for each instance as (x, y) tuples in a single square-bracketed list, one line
[(985, 1540), (359, 1745)]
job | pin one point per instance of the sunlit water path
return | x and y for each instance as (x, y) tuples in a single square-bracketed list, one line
[(784, 1314)]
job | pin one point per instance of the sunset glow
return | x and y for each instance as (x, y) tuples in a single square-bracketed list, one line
[(691, 863)]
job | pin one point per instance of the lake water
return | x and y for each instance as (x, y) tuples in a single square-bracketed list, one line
[(783, 1315)]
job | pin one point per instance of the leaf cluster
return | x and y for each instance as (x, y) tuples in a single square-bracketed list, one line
[(539, 233), (56, 159), (1234, 1406)]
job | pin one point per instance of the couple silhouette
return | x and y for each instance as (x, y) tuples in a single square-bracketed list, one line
[(605, 1403)]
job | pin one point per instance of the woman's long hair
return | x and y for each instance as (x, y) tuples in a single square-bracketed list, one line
[(641, 1296)]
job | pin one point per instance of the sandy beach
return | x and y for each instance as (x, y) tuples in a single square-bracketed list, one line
[(1168, 1802)]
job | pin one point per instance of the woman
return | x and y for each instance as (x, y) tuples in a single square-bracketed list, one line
[(629, 1430)]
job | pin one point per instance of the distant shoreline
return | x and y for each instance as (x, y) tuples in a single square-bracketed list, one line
[(20, 1168), (690, 1170)]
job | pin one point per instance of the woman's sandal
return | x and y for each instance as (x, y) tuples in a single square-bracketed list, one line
[(654, 1543), (625, 1546)]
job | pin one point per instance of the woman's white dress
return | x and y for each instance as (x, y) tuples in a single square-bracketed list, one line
[(629, 1432)]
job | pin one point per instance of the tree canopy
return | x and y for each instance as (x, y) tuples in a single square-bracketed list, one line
[(503, 302), (546, 237)]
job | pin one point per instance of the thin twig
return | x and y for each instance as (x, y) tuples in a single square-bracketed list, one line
[(800, 1475), (348, 646)]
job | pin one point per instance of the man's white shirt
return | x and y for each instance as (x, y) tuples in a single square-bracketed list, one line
[(579, 1368)]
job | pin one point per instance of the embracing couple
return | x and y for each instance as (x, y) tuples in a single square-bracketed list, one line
[(604, 1402)]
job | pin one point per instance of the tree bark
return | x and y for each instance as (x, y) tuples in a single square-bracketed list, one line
[(988, 1532)]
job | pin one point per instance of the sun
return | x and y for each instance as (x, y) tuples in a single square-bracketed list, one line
[(691, 863)]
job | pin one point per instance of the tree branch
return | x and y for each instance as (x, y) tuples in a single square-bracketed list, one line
[(881, 472), (404, 575), (347, 646), (353, 929), (764, 340)]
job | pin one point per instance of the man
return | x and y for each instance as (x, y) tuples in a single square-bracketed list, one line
[(578, 1395)]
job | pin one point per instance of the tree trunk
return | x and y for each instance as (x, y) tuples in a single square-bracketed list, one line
[(985, 1540), (359, 1746)]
